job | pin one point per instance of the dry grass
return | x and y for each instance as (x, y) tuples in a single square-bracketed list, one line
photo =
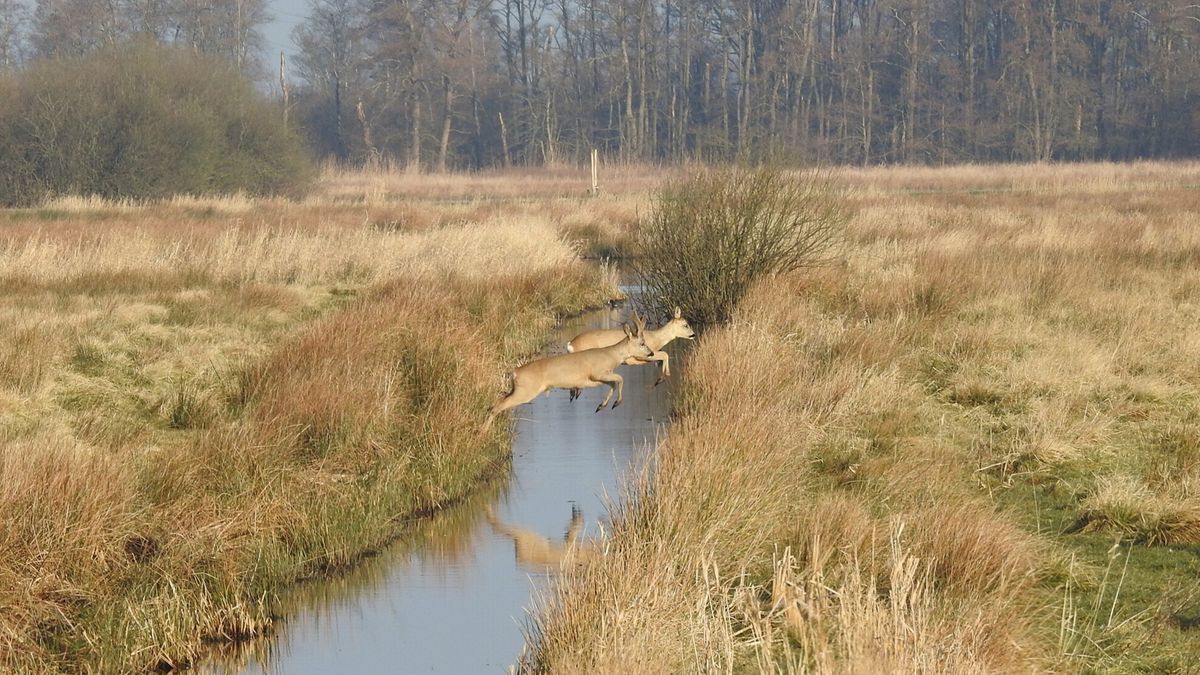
[(1072, 179), (735, 555), (202, 400), (971, 446), (519, 184), (285, 255), (920, 459)]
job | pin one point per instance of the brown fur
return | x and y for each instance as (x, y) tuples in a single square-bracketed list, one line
[(534, 550), (576, 370), (656, 339)]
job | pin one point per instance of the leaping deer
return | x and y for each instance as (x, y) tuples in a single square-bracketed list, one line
[(656, 339), (577, 370)]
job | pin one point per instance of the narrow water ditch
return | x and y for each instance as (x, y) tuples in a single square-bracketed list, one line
[(451, 595)]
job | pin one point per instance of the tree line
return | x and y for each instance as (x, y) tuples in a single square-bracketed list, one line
[(444, 84), (45, 29)]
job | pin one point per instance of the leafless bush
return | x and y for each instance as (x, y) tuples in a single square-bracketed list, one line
[(711, 236)]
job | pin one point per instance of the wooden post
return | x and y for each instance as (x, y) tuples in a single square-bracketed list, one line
[(595, 172)]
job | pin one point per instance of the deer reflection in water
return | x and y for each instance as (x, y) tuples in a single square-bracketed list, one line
[(534, 550)]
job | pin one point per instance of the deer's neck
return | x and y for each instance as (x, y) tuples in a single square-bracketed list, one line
[(657, 338), (620, 351)]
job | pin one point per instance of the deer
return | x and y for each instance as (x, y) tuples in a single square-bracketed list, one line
[(577, 370), (656, 339), (535, 551)]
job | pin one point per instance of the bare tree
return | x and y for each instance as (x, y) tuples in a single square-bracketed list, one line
[(75, 27), (331, 52), (862, 81), (228, 28), (14, 24)]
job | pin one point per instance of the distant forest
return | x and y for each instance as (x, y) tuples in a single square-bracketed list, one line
[(452, 84)]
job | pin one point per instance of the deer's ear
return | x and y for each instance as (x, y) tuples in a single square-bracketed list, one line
[(628, 333), (678, 312)]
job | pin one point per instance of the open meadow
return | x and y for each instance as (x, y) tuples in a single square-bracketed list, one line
[(202, 400), (285, 284), (970, 444)]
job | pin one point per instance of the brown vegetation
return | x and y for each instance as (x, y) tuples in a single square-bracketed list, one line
[(203, 400), (970, 446), (709, 237)]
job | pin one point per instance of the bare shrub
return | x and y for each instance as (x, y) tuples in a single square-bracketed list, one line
[(711, 236)]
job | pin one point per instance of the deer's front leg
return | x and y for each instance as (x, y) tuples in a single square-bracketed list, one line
[(665, 372)]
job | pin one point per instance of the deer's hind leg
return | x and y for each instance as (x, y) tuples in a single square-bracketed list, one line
[(615, 383), (518, 396)]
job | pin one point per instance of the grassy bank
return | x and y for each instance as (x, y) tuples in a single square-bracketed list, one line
[(970, 446), (204, 400)]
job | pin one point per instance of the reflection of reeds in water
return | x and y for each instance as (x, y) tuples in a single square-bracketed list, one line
[(444, 542)]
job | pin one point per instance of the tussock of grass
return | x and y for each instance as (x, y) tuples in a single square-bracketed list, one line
[(1124, 505)]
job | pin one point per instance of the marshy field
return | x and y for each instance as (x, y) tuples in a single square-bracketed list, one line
[(967, 441), (971, 443), (203, 400)]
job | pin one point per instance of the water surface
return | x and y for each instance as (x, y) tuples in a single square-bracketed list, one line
[(450, 596)]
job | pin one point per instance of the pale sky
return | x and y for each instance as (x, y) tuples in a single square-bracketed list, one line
[(277, 35)]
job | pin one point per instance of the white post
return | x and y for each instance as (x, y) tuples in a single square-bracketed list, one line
[(595, 172)]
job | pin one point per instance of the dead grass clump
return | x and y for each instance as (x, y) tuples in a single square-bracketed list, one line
[(1124, 505), (970, 550), (382, 371), (26, 353), (830, 617), (64, 509)]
